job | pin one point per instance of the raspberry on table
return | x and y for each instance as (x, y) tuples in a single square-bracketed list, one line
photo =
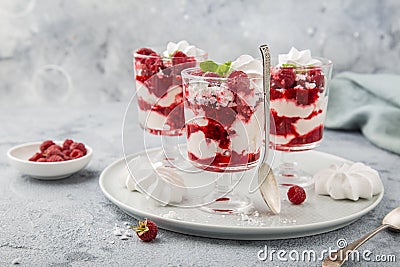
[(296, 194)]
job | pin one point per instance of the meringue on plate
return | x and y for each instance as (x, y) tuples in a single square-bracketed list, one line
[(162, 184), (348, 181)]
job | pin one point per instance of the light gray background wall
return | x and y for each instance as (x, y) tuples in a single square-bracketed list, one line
[(80, 51)]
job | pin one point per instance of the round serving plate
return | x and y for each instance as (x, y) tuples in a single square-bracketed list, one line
[(318, 214)]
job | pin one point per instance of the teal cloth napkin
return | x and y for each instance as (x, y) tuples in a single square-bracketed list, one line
[(369, 102)]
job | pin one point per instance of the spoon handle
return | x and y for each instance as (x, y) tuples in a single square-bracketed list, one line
[(339, 257), (266, 57)]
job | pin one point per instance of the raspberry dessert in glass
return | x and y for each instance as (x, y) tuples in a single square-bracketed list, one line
[(299, 98), (159, 86), (159, 94), (224, 116)]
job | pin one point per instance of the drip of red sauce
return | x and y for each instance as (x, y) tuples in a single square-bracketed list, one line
[(223, 199)]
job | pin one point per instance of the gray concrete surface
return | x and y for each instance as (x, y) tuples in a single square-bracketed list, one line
[(69, 222)]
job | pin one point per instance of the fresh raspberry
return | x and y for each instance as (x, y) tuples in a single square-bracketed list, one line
[(153, 64), (178, 57), (197, 73), (42, 160), (212, 82), (148, 65), (284, 77), (316, 76), (66, 152), (55, 158), (52, 152), (146, 230), (79, 146), (145, 51), (67, 143), (76, 153), (35, 157), (159, 84), (275, 94), (243, 110), (296, 194), (238, 81), (54, 147), (46, 144), (306, 96)]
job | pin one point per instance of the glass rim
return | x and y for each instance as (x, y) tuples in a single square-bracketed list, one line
[(136, 55), (185, 74), (325, 63)]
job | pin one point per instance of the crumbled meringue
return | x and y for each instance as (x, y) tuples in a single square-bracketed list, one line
[(163, 184), (183, 46), (348, 181), (299, 58)]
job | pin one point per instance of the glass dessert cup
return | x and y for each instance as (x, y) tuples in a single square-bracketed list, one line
[(224, 131), (299, 99), (160, 101)]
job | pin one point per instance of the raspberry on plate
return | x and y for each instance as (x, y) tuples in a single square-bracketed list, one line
[(296, 194)]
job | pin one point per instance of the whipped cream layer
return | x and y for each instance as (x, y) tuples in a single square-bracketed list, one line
[(348, 181), (299, 58), (185, 47), (154, 112), (251, 66), (307, 117)]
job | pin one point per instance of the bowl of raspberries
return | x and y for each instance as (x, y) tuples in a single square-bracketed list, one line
[(50, 160)]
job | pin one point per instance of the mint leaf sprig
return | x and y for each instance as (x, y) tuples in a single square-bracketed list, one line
[(210, 66)]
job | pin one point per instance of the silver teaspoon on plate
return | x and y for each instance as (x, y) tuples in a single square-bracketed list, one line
[(266, 179), (391, 221)]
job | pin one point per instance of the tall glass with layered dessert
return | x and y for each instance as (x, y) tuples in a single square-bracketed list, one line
[(299, 99), (159, 90), (224, 117)]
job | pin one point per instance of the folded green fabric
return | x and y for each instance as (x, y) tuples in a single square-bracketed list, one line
[(369, 102)]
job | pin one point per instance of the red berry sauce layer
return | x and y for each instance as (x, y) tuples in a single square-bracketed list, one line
[(159, 90), (298, 106)]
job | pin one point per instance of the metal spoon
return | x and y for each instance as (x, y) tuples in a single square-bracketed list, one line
[(266, 179), (391, 221)]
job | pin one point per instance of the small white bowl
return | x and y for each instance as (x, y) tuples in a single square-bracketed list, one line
[(19, 158)]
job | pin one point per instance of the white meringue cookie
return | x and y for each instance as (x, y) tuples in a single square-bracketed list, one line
[(348, 181), (183, 46), (299, 58), (163, 184)]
